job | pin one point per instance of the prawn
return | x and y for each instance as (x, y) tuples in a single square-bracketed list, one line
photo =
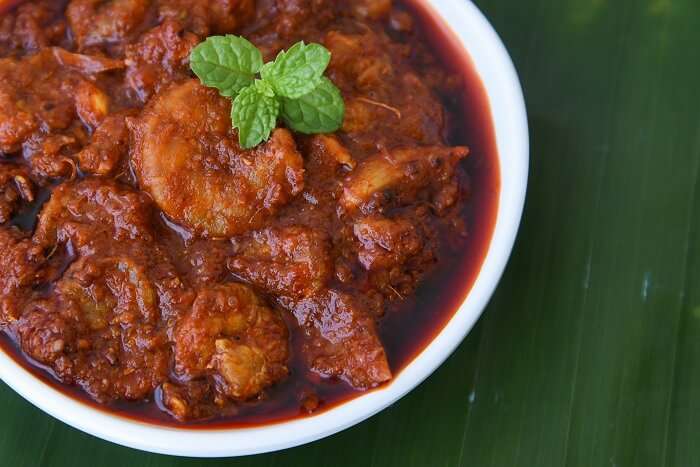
[(187, 156)]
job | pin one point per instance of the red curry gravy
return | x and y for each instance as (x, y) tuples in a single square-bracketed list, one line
[(400, 299)]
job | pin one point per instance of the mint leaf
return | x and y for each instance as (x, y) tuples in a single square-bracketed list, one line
[(264, 88), (227, 63), (254, 114), (320, 111), (297, 71)]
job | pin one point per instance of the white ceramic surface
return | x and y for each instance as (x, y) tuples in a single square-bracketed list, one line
[(508, 109)]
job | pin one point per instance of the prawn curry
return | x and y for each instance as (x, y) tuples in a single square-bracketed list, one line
[(154, 266)]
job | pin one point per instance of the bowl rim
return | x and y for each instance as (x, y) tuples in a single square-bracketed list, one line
[(504, 93)]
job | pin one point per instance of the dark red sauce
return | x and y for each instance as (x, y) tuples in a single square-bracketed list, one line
[(435, 301)]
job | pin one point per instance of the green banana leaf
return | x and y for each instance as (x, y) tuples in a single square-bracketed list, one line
[(589, 353)]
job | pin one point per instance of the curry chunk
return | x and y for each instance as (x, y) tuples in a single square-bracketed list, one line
[(31, 95), (206, 17), (158, 58), (31, 26), (387, 104), (49, 155), (361, 59), (408, 169), (394, 252), (206, 260), (100, 22), (99, 328), (111, 289), (88, 65), (23, 265), (290, 16), (44, 110), (289, 261), (341, 339), (231, 335), (15, 186), (108, 146), (329, 151), (186, 155), (386, 243), (88, 212)]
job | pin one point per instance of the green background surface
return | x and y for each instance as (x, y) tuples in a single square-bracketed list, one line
[(589, 353)]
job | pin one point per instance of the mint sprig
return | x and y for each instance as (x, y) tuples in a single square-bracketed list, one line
[(291, 87)]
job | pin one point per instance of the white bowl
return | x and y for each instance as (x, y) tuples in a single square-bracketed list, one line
[(504, 93)]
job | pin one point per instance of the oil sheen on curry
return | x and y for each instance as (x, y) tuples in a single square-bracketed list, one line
[(153, 267)]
